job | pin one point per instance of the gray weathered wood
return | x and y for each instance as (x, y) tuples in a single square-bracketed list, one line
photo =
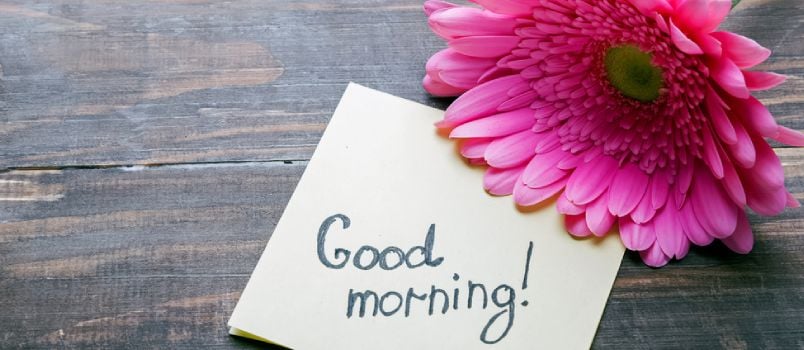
[(143, 82), (97, 255)]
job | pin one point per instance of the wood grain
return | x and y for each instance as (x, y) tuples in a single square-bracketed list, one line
[(144, 82), (147, 149), (156, 257)]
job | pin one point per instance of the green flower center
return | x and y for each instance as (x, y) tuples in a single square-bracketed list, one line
[(631, 71)]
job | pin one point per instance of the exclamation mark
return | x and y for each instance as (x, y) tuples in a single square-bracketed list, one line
[(527, 269)]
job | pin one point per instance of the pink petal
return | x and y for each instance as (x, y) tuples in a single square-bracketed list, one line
[(792, 202), (644, 211), (720, 121), (526, 196), (711, 155), (757, 81), (742, 240), (467, 21), (480, 101), (511, 150), (731, 182), (542, 170), (755, 116), (576, 225), (770, 202), (437, 88), (764, 183), (683, 249), (729, 77), (660, 188), (693, 229), (507, 7), (702, 16), (455, 69), (432, 6), (743, 151), (589, 180), (654, 257), (744, 52), (669, 233), (636, 236), (598, 217), (789, 137), (709, 45), (647, 7), (768, 170), (485, 46), (500, 182), (497, 125), (682, 42), (715, 211), (564, 206), (684, 180), (627, 189), (475, 148)]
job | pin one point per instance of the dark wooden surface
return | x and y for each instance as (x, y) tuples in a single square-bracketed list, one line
[(147, 149)]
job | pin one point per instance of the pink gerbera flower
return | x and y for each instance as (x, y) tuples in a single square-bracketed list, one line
[(634, 112)]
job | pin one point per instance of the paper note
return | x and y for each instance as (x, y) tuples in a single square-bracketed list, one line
[(390, 242)]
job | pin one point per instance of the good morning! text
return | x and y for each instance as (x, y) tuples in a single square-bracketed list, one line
[(432, 301)]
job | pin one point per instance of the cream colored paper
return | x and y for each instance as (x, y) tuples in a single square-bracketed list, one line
[(381, 164)]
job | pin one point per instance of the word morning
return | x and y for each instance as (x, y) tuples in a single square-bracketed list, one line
[(430, 302)]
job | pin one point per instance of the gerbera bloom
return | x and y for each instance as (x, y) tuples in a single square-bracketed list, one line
[(631, 112)]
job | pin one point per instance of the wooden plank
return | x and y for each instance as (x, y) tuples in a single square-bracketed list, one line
[(156, 257), (143, 82)]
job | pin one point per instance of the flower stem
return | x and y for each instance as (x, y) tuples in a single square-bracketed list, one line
[(734, 3)]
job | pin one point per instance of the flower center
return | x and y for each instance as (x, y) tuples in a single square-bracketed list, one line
[(631, 71)]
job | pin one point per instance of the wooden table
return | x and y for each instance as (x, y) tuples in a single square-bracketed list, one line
[(148, 148)]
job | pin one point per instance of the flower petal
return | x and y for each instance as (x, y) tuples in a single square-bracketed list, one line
[(432, 6), (669, 233), (757, 81), (576, 225), (511, 150), (742, 241), (729, 77), (508, 7), (474, 148), (480, 101), (654, 257), (644, 211), (500, 182), (744, 52), (438, 88), (636, 236), (720, 121), (755, 116), (713, 208), (467, 21), (711, 155), (542, 169), (682, 42), (627, 189), (485, 46), (693, 229), (591, 179), (455, 69), (497, 125), (564, 206), (743, 151), (789, 136), (526, 196), (598, 217), (702, 16)]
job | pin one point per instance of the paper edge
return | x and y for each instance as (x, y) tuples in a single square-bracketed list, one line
[(234, 331)]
